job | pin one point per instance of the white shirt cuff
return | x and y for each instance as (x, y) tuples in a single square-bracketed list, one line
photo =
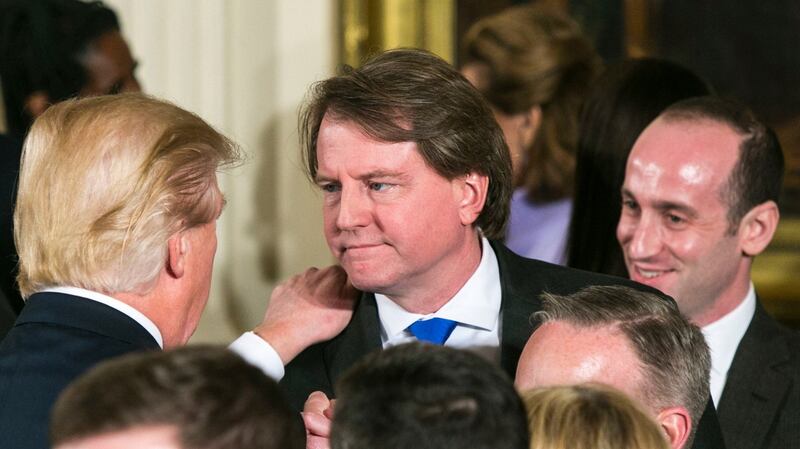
[(259, 353)]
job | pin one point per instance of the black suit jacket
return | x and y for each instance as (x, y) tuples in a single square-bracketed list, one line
[(55, 339), (10, 150), (760, 404), (522, 282)]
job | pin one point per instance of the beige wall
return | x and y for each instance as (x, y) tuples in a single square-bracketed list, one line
[(244, 65)]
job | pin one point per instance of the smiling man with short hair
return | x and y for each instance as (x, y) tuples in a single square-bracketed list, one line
[(699, 204)]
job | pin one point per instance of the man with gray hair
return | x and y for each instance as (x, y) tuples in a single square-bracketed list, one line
[(629, 339)]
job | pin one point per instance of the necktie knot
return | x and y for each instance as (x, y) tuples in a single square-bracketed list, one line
[(434, 330)]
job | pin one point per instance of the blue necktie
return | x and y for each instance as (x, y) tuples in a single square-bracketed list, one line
[(434, 330)]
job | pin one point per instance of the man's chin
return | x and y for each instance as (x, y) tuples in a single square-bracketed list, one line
[(659, 280), (368, 282)]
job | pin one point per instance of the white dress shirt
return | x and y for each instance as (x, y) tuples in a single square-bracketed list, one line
[(476, 308), (723, 337)]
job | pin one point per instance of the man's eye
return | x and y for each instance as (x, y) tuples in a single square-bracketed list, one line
[(379, 186), (674, 219), (330, 188), (629, 204)]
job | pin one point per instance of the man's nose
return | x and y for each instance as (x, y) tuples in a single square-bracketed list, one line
[(354, 209), (645, 238), (641, 238)]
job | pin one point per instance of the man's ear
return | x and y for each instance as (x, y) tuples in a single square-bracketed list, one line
[(471, 192), (676, 424), (176, 255), (758, 227), (36, 103)]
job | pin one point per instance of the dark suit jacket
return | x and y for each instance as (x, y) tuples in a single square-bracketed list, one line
[(7, 315), (760, 404), (10, 150), (55, 339), (522, 281)]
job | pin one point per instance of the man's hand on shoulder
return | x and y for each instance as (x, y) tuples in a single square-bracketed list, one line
[(308, 308)]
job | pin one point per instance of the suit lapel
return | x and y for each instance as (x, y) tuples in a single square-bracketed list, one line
[(515, 331), (359, 338), (755, 388)]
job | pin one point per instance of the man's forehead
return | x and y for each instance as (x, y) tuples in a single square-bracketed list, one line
[(566, 353), (679, 138), (689, 152), (152, 437), (554, 336), (346, 142)]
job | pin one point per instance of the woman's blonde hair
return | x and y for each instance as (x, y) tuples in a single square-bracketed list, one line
[(104, 183), (537, 56), (589, 416)]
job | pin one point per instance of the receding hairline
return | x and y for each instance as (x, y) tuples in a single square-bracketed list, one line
[(697, 119)]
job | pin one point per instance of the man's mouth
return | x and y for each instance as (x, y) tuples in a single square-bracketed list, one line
[(360, 249), (651, 274), (360, 246)]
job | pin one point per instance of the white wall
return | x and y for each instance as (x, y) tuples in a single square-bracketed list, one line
[(244, 66)]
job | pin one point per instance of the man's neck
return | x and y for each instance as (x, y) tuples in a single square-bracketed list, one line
[(726, 301), (436, 287)]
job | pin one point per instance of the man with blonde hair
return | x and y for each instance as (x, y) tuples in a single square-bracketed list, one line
[(116, 232)]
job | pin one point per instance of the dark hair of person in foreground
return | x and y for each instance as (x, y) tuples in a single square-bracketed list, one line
[(424, 397), (211, 396)]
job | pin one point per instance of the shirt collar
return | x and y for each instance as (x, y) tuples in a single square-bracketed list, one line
[(723, 336), (132, 313), (471, 305)]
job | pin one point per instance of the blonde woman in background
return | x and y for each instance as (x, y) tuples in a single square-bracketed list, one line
[(589, 416), (534, 66)]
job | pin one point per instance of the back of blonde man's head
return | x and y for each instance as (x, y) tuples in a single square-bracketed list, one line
[(104, 183)]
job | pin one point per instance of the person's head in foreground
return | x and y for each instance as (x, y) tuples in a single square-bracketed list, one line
[(423, 396), (118, 194), (589, 416), (412, 168), (51, 50), (699, 202), (634, 341), (201, 397)]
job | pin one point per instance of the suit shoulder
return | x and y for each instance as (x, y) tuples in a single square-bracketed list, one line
[(543, 276)]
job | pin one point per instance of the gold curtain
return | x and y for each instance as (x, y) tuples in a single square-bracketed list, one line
[(371, 26)]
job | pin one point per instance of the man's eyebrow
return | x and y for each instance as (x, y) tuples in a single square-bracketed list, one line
[(679, 207), (664, 205), (382, 174), (319, 179)]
